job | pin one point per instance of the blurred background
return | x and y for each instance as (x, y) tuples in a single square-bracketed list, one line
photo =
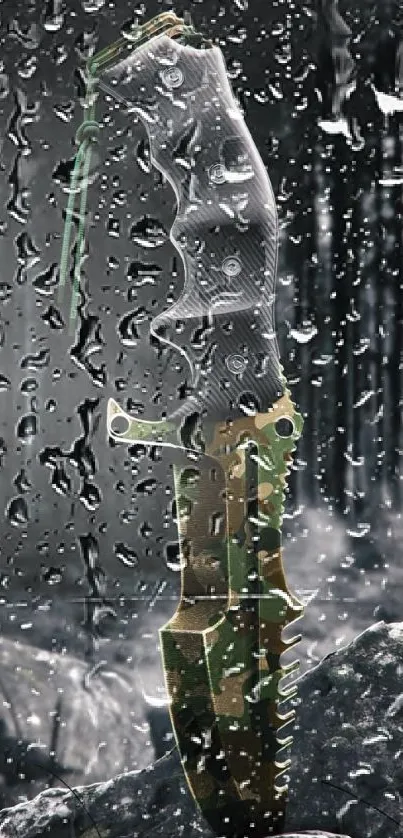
[(89, 559)]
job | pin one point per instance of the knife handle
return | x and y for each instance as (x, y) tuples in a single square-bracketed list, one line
[(225, 230)]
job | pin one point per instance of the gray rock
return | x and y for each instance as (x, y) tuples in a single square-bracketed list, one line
[(155, 802), (348, 740), (102, 726), (346, 778)]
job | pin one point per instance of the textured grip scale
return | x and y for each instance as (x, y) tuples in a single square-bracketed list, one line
[(225, 228)]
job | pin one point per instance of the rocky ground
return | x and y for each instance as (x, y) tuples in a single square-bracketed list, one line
[(346, 777), (61, 718)]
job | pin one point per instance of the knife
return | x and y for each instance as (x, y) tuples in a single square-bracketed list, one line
[(232, 436)]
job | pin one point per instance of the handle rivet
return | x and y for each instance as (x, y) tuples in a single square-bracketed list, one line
[(119, 425), (236, 363), (217, 173), (284, 427), (231, 266), (172, 77)]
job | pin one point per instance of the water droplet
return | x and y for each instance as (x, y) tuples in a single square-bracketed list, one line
[(29, 385), (127, 330), (148, 232), (364, 398), (21, 482), (304, 334), (173, 559), (127, 556), (46, 282), (53, 575), (147, 487), (261, 97), (27, 67), (93, 6), (27, 428), (143, 273), (6, 291), (362, 529), (4, 85), (155, 701), (36, 362), (5, 383), (17, 512), (90, 495), (53, 318), (61, 482), (143, 156), (238, 36)]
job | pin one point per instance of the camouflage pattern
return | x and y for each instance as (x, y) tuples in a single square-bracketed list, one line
[(222, 648)]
